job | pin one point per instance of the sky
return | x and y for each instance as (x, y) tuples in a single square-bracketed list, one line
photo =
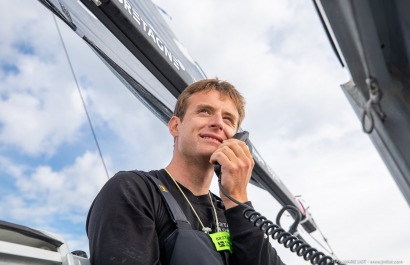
[(275, 52)]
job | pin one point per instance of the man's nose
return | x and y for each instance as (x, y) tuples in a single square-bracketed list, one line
[(217, 121)]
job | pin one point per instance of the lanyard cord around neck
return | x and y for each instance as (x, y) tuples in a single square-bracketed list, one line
[(206, 230)]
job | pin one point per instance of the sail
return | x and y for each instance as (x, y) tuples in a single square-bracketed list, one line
[(372, 39), (136, 43)]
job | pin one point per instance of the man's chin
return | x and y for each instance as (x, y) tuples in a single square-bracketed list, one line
[(206, 156)]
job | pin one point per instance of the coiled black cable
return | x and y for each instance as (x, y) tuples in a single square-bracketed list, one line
[(300, 247), (295, 244)]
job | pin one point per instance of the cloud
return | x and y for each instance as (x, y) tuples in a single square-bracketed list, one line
[(275, 52), (54, 201), (39, 108), (43, 194)]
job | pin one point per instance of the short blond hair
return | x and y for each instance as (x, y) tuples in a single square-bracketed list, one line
[(223, 87)]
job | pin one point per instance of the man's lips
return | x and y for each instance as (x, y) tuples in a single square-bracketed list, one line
[(212, 137)]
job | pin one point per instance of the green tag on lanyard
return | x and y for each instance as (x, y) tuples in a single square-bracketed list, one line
[(222, 241)]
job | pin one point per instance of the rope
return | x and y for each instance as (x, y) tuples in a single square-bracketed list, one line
[(82, 98)]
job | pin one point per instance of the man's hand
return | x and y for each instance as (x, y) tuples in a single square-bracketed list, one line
[(236, 169)]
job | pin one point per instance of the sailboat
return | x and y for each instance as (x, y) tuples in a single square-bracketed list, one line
[(136, 44)]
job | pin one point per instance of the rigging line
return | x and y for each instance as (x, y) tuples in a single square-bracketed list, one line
[(359, 36), (330, 250), (82, 98)]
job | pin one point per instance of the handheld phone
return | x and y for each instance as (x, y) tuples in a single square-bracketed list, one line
[(242, 136)]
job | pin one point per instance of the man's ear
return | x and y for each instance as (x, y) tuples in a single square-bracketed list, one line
[(173, 126)]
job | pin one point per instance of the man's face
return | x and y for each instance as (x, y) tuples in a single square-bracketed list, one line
[(209, 119)]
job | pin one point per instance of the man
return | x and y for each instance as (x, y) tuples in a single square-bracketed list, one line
[(130, 221)]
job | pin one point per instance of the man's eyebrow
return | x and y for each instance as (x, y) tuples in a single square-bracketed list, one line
[(201, 106)]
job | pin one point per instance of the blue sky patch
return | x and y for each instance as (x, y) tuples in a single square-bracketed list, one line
[(9, 69), (24, 47)]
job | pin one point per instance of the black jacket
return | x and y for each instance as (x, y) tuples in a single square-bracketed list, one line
[(128, 223)]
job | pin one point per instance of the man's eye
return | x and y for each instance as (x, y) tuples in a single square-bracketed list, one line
[(204, 111), (229, 120)]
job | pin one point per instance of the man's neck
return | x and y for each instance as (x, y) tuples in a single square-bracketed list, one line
[(194, 176)]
